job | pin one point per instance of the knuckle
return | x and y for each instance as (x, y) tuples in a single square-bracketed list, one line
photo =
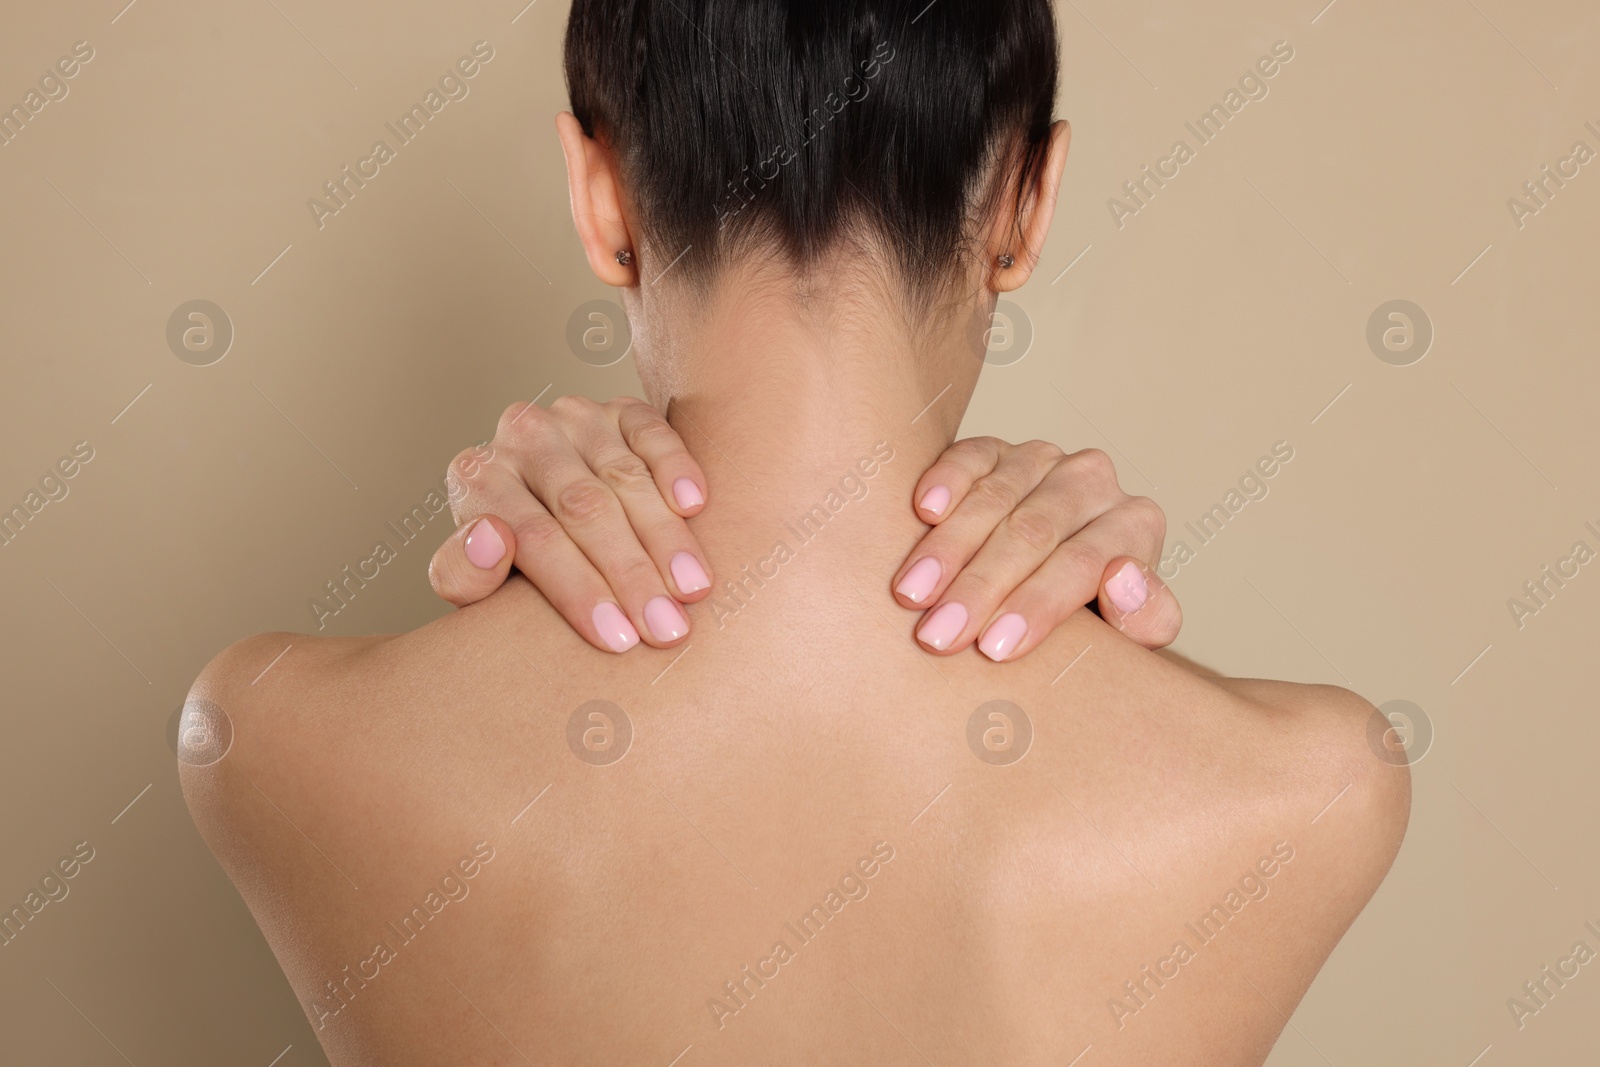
[(537, 534), (1149, 513), (978, 586), (975, 449), (518, 418), (456, 493), (1034, 529), (466, 463), (639, 575), (652, 432), (438, 579), (1094, 463), (1043, 453), (623, 404), (582, 501), (448, 584), (574, 406), (993, 494), (1083, 558), (626, 471)]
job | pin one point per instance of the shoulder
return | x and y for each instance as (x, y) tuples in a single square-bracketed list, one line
[(1333, 738), (1297, 824), (1241, 757), (1342, 796), (1310, 818), (1318, 754), (239, 719), (1314, 765), (239, 672), (251, 677)]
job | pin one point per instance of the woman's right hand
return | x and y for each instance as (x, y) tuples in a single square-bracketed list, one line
[(588, 500)]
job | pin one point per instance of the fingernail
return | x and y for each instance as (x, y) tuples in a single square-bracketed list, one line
[(1128, 589), (935, 500), (484, 547), (944, 626), (920, 580), (688, 574), (666, 622), (1004, 636), (687, 494), (615, 629)]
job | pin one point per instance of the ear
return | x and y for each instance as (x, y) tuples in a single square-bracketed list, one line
[(596, 190), (1033, 222)]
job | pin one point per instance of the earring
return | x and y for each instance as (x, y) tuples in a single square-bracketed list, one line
[(1007, 261), (625, 257)]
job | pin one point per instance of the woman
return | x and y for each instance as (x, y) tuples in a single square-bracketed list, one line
[(797, 838)]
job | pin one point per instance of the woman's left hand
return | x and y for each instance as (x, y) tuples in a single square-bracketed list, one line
[(1026, 535)]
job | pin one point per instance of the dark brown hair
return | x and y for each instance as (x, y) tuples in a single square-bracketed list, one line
[(788, 122)]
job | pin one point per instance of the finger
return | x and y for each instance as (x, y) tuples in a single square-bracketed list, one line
[(947, 482), (527, 440), (1009, 522), (462, 483), (593, 520), (679, 479), (1019, 573), (549, 559), (1135, 600), (1070, 578), (487, 478), (473, 562), (665, 536)]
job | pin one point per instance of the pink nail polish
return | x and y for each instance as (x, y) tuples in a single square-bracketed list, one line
[(1128, 589), (484, 547), (944, 626), (666, 622), (920, 580), (1004, 636), (935, 500), (687, 494), (615, 629), (687, 573)]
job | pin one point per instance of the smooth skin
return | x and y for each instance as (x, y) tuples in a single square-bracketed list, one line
[(798, 838), (589, 501)]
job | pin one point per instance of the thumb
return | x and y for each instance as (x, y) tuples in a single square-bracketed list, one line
[(473, 562), (1136, 601)]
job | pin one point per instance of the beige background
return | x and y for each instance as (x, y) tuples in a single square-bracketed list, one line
[(1225, 316)]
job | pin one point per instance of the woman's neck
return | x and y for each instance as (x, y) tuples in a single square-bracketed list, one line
[(809, 410)]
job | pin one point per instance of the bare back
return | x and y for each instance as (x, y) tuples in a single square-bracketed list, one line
[(486, 842)]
